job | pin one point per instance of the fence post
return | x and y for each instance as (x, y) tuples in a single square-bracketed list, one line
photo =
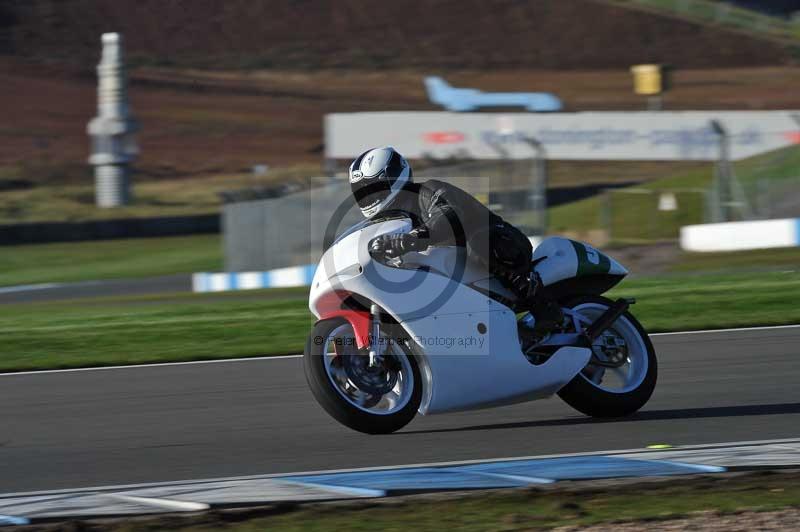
[(722, 175), (538, 197)]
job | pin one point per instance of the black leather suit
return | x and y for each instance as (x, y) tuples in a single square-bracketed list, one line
[(444, 214)]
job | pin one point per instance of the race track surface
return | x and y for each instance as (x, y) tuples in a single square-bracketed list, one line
[(130, 425), (38, 293)]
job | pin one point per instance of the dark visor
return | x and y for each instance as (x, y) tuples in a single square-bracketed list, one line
[(369, 191)]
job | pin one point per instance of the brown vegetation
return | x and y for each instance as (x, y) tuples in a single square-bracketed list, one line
[(278, 67), (361, 34), (200, 123)]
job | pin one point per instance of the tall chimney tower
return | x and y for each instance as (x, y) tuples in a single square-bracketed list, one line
[(112, 130)]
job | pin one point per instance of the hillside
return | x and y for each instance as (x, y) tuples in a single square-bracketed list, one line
[(210, 123), (356, 34), (272, 70)]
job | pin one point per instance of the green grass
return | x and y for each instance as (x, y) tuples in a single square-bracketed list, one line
[(531, 509), (110, 331), (48, 200), (778, 165), (127, 258), (686, 302), (113, 331), (632, 216), (740, 18), (760, 259), (132, 258)]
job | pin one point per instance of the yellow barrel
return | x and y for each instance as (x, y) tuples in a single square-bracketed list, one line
[(647, 79)]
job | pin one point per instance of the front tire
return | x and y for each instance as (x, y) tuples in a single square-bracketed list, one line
[(587, 392), (353, 394)]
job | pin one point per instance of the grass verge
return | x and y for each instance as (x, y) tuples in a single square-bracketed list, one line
[(60, 202), (703, 500), (727, 15), (759, 259), (108, 259), (137, 330), (695, 302), (134, 330), (632, 214), (144, 257)]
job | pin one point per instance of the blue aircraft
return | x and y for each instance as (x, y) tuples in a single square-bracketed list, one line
[(455, 99)]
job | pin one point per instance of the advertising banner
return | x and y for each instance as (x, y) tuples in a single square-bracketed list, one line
[(679, 135)]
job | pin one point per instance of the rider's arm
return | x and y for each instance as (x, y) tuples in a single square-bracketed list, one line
[(450, 214)]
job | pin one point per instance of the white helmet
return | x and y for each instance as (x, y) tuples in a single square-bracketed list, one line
[(376, 177)]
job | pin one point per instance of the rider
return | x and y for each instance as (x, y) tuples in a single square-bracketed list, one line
[(442, 214)]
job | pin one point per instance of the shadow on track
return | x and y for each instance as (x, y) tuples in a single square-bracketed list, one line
[(647, 415)]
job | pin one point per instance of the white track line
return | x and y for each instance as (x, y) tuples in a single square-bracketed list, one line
[(282, 357), (28, 287), (739, 329), (165, 504), (154, 365)]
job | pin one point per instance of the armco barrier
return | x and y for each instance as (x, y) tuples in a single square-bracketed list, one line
[(42, 232), (737, 236)]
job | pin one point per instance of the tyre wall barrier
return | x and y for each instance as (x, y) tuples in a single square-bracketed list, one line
[(279, 278)]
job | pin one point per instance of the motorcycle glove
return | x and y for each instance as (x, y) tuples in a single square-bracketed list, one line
[(396, 244)]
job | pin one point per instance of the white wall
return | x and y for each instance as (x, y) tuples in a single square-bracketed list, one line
[(735, 236)]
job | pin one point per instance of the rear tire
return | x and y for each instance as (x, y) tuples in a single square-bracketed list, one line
[(592, 399), (335, 403)]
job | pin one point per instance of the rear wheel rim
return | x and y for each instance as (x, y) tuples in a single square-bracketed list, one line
[(633, 372), (341, 343)]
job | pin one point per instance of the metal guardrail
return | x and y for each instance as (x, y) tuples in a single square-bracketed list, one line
[(724, 14)]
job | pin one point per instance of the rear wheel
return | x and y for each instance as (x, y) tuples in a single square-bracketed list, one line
[(603, 391), (374, 400)]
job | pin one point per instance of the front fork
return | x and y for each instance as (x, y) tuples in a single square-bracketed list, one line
[(375, 344)]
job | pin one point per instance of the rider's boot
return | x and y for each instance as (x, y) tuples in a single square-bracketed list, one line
[(547, 313)]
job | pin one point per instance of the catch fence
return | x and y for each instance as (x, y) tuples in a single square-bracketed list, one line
[(290, 230)]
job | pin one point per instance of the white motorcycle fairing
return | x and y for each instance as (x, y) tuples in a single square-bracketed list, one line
[(467, 343)]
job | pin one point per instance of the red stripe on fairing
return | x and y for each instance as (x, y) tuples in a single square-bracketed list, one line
[(358, 319)]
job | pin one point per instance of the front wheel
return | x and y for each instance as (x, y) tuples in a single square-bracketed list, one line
[(374, 400), (603, 391)]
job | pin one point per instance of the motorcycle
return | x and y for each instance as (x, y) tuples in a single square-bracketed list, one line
[(431, 332)]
